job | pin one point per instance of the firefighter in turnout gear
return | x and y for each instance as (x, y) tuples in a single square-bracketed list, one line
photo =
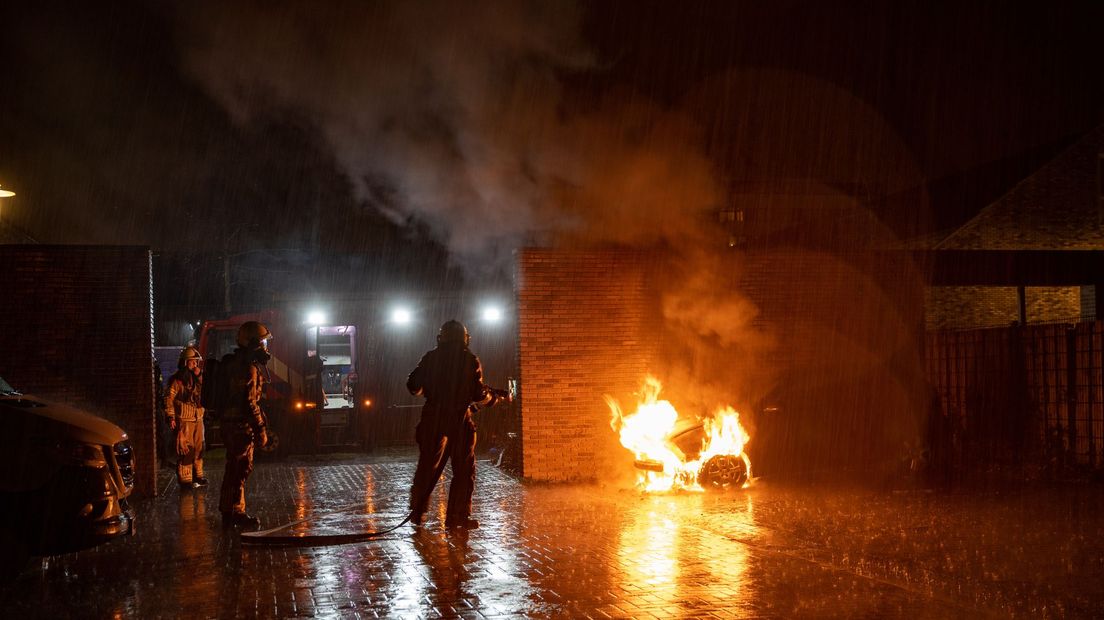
[(184, 414), (450, 377), (243, 421)]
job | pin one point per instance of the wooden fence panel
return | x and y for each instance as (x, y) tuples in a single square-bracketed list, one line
[(1036, 390), (1087, 395), (1047, 376)]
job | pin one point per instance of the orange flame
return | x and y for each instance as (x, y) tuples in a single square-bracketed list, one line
[(647, 434)]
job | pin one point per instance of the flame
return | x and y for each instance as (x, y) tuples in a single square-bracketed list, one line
[(647, 434)]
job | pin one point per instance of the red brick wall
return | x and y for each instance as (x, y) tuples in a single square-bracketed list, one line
[(77, 327), (583, 321)]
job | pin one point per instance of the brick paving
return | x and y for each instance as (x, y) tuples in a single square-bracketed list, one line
[(555, 551)]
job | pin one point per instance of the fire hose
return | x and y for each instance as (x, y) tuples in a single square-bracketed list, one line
[(270, 537)]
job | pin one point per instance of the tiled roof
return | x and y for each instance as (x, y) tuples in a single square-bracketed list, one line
[(1055, 209)]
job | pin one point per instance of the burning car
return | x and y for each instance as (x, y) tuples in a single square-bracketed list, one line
[(677, 454), (67, 480)]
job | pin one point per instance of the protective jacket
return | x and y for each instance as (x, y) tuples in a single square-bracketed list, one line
[(450, 378), (244, 390), (183, 396)]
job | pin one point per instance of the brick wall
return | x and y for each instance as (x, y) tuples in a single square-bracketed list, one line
[(583, 321), (77, 327), (971, 307)]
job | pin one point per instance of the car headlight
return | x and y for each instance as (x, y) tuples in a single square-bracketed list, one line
[(88, 454)]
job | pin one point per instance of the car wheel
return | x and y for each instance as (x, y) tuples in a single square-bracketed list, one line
[(723, 472)]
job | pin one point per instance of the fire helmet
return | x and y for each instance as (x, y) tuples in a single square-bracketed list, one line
[(453, 331), (188, 353), (253, 335)]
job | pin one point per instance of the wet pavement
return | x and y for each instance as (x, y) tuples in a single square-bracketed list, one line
[(770, 551)]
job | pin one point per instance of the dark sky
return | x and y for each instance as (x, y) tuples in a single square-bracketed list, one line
[(136, 122), (961, 81), (981, 93)]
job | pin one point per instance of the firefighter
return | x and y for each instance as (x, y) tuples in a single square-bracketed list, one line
[(243, 421), (450, 377), (184, 414)]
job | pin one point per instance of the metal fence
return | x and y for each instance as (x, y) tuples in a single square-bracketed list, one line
[(1031, 395)]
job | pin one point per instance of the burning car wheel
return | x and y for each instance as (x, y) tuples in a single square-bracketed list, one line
[(722, 472)]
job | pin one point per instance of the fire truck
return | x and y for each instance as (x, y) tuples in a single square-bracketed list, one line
[(314, 398)]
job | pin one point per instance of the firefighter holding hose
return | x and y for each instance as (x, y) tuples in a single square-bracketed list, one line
[(450, 377)]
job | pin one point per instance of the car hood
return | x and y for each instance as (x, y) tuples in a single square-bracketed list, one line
[(84, 426)]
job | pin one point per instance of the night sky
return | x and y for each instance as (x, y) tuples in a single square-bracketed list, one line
[(418, 132)]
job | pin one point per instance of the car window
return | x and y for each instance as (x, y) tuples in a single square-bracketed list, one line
[(5, 388)]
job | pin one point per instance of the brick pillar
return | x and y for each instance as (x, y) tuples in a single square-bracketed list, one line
[(586, 322), (77, 327)]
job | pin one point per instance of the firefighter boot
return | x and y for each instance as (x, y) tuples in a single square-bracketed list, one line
[(466, 523), (197, 473)]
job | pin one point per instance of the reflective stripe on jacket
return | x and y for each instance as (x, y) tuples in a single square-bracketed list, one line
[(183, 396)]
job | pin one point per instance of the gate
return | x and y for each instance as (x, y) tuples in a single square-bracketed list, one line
[(1022, 394)]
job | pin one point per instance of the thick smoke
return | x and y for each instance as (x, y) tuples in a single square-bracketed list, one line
[(453, 115)]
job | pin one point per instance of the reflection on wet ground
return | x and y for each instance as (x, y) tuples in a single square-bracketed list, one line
[(590, 551)]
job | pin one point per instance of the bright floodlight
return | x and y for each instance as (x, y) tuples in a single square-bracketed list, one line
[(315, 317), (6, 193), (400, 316), (492, 314)]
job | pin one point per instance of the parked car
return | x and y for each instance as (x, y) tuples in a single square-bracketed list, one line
[(66, 482)]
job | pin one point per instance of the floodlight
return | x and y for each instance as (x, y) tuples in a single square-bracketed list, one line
[(400, 316)]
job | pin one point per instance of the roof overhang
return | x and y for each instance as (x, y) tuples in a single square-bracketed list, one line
[(1012, 267)]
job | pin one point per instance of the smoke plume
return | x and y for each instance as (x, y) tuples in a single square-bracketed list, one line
[(455, 116)]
